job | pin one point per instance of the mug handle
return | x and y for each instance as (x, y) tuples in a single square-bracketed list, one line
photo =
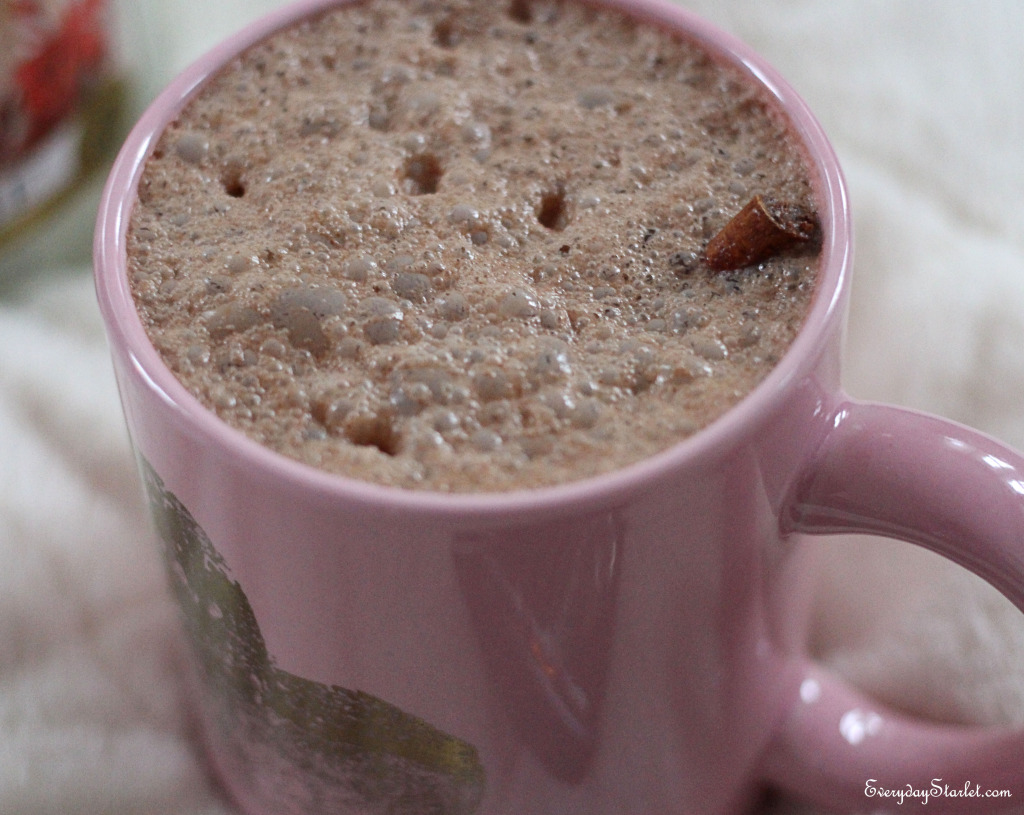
[(904, 475)]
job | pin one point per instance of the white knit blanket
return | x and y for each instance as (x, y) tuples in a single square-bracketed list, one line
[(924, 101)]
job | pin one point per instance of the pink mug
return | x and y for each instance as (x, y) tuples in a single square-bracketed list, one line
[(629, 643)]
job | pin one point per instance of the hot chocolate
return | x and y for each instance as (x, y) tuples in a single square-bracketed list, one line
[(463, 246)]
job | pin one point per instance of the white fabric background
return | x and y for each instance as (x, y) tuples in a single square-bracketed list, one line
[(924, 101)]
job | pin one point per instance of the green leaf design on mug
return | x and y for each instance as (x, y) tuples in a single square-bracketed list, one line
[(306, 744)]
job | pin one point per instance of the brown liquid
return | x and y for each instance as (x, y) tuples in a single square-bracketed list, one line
[(460, 249)]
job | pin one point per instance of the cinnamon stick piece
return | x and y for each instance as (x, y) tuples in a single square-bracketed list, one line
[(762, 229)]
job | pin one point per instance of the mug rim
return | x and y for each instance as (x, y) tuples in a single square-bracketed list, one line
[(127, 333)]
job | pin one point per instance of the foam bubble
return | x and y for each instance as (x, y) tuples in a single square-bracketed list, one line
[(586, 413), (476, 132), (399, 262), (239, 263), (492, 384), (518, 303), (330, 410), (486, 441), (382, 330), (273, 347), (300, 311), (446, 421), (410, 398), (454, 306), (683, 319), (231, 317), (711, 349), (197, 354), (411, 286), (462, 213), (552, 363), (380, 307), (549, 319), (358, 268), (349, 348), (192, 147)]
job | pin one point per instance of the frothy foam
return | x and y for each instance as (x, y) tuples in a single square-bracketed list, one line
[(459, 247)]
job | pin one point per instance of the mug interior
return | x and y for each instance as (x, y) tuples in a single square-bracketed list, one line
[(128, 334)]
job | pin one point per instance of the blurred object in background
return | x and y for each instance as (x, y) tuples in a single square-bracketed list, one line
[(169, 34), (64, 98), (74, 75)]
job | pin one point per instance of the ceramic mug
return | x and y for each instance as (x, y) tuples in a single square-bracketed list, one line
[(630, 643)]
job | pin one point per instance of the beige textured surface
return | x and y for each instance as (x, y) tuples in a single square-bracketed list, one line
[(503, 262)]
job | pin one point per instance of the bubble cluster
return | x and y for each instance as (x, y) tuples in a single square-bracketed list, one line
[(461, 247)]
